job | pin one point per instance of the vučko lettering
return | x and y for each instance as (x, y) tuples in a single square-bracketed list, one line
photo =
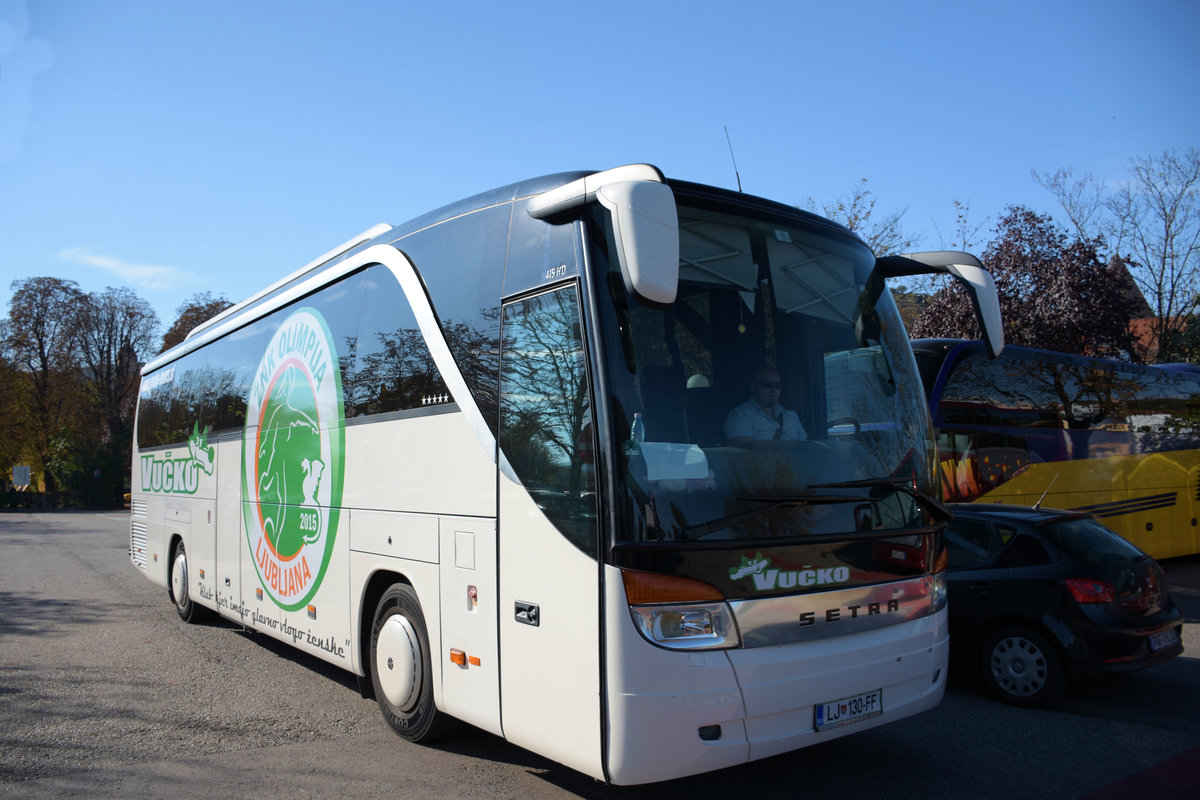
[(170, 476), (800, 578)]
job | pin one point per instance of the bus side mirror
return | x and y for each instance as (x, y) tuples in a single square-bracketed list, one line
[(644, 219), (967, 270), (646, 227)]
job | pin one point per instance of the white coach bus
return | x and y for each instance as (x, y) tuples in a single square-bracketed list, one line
[(478, 461)]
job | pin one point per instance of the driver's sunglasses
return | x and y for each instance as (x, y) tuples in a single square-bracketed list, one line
[(770, 384)]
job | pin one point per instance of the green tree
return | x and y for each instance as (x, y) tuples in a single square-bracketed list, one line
[(198, 308), (41, 339), (13, 423)]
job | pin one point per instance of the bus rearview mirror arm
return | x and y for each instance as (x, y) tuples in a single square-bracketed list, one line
[(969, 272)]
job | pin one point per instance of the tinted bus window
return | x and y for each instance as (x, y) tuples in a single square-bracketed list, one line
[(469, 252), (392, 368)]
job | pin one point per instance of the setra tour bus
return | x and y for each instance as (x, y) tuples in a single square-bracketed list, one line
[(1117, 440), (478, 461)]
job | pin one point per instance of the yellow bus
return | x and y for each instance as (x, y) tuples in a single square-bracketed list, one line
[(1120, 441)]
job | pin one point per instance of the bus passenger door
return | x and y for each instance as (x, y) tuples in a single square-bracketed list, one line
[(549, 577)]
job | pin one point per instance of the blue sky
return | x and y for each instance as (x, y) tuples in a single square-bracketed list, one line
[(179, 147)]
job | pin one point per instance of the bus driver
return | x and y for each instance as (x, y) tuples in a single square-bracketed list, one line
[(762, 417)]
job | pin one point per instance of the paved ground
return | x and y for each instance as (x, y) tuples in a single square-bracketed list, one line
[(105, 693)]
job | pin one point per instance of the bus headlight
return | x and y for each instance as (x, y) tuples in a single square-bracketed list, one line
[(938, 595), (679, 613), (707, 626)]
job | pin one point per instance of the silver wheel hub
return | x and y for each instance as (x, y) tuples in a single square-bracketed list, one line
[(179, 580), (1019, 666), (398, 662)]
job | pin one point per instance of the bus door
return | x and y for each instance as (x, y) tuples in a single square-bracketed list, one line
[(549, 578)]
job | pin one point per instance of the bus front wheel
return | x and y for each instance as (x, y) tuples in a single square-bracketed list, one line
[(178, 589), (401, 669)]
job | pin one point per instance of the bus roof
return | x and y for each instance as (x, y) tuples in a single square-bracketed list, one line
[(260, 302)]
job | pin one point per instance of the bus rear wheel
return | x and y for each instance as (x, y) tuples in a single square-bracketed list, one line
[(401, 669)]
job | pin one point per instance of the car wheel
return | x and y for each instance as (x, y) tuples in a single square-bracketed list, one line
[(178, 590), (1021, 667), (401, 670)]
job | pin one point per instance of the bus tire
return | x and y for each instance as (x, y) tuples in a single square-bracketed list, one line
[(1021, 667), (401, 668), (177, 587)]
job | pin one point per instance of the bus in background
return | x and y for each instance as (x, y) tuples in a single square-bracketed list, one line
[(460, 458), (1120, 441)]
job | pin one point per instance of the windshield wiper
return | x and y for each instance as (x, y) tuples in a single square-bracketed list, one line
[(721, 523), (904, 485)]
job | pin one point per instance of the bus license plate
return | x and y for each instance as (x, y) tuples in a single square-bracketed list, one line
[(848, 709), (1163, 639)]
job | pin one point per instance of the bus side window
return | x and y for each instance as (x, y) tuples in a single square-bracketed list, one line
[(393, 369), (461, 261)]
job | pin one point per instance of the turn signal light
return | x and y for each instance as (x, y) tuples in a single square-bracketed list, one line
[(650, 587), (943, 561)]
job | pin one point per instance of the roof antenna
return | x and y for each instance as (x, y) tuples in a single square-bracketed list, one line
[(731, 158), (1048, 485)]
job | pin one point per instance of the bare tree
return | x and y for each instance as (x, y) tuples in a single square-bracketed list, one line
[(1083, 200), (967, 234), (1158, 220), (856, 210), (116, 330), (1153, 222)]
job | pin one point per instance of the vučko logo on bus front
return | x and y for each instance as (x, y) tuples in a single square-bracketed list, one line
[(292, 459)]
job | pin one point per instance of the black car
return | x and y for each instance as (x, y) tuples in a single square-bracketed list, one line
[(1036, 595)]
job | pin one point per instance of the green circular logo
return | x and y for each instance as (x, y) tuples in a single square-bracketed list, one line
[(292, 459)]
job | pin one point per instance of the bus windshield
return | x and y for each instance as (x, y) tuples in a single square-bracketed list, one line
[(776, 398)]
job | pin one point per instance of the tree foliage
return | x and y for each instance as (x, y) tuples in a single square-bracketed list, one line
[(198, 308), (42, 338), (1056, 292), (68, 383)]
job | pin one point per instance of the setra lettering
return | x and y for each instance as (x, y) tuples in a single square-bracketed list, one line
[(836, 614)]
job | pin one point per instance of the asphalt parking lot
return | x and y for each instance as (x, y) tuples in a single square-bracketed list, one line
[(104, 692)]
